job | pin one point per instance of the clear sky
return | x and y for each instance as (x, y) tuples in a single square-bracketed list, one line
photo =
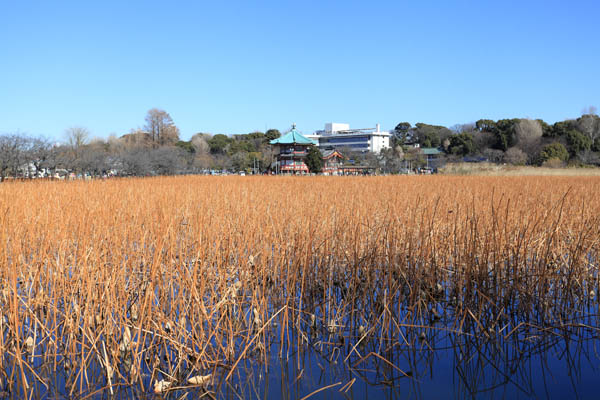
[(236, 67)]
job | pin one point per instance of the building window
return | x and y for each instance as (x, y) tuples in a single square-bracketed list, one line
[(344, 140)]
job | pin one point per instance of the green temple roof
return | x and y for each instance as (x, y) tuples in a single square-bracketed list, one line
[(431, 151), (293, 137)]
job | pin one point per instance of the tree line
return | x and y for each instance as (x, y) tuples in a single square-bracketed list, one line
[(512, 141), (156, 148)]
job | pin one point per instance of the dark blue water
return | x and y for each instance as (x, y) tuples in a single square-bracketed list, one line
[(483, 341), (422, 363), (441, 366)]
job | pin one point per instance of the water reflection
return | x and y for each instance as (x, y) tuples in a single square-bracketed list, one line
[(398, 340), (532, 363), (420, 362)]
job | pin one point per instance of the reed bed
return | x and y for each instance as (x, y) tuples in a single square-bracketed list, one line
[(161, 286)]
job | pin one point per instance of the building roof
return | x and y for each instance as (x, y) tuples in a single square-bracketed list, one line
[(327, 153), (293, 137), (431, 151)]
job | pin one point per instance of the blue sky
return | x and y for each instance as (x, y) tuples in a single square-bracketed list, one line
[(236, 67)]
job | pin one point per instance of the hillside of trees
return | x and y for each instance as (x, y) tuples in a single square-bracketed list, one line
[(511, 141), (156, 148)]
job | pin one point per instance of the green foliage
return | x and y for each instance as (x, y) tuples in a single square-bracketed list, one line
[(218, 143), (272, 134), (578, 142), (402, 128), (254, 135), (557, 130), (253, 141), (461, 144), (415, 157), (242, 150), (554, 150), (430, 135), (238, 145), (401, 133), (503, 131), (485, 125), (313, 160), (424, 134), (427, 135), (187, 146), (596, 145), (577, 133)]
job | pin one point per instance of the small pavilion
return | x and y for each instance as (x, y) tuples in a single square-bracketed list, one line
[(332, 161), (292, 149)]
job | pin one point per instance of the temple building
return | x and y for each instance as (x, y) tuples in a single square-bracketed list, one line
[(333, 164), (292, 149), (332, 161)]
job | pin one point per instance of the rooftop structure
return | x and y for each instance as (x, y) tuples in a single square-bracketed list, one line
[(293, 148), (292, 137), (332, 161), (432, 156), (340, 136)]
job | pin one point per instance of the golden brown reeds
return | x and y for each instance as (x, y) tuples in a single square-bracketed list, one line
[(175, 281)]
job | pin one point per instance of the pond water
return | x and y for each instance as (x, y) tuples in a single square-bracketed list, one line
[(437, 342), (539, 365), (529, 363)]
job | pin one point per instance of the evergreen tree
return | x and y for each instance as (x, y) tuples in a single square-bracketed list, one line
[(314, 161), (554, 150)]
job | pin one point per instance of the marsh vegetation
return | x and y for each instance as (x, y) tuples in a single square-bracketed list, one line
[(216, 286)]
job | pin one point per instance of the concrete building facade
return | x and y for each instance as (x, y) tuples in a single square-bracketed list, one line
[(340, 136)]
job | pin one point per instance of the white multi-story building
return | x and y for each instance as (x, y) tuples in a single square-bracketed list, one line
[(340, 136)]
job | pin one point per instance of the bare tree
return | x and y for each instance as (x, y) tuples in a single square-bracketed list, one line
[(528, 133), (200, 142), (589, 124), (10, 153), (588, 157), (23, 156), (94, 158), (134, 161), (493, 155), (399, 153), (483, 140), (165, 160), (515, 156), (528, 130), (463, 128), (41, 156), (202, 161), (160, 127), (77, 136)]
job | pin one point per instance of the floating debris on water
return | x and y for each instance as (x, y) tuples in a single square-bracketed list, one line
[(161, 386), (200, 380)]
